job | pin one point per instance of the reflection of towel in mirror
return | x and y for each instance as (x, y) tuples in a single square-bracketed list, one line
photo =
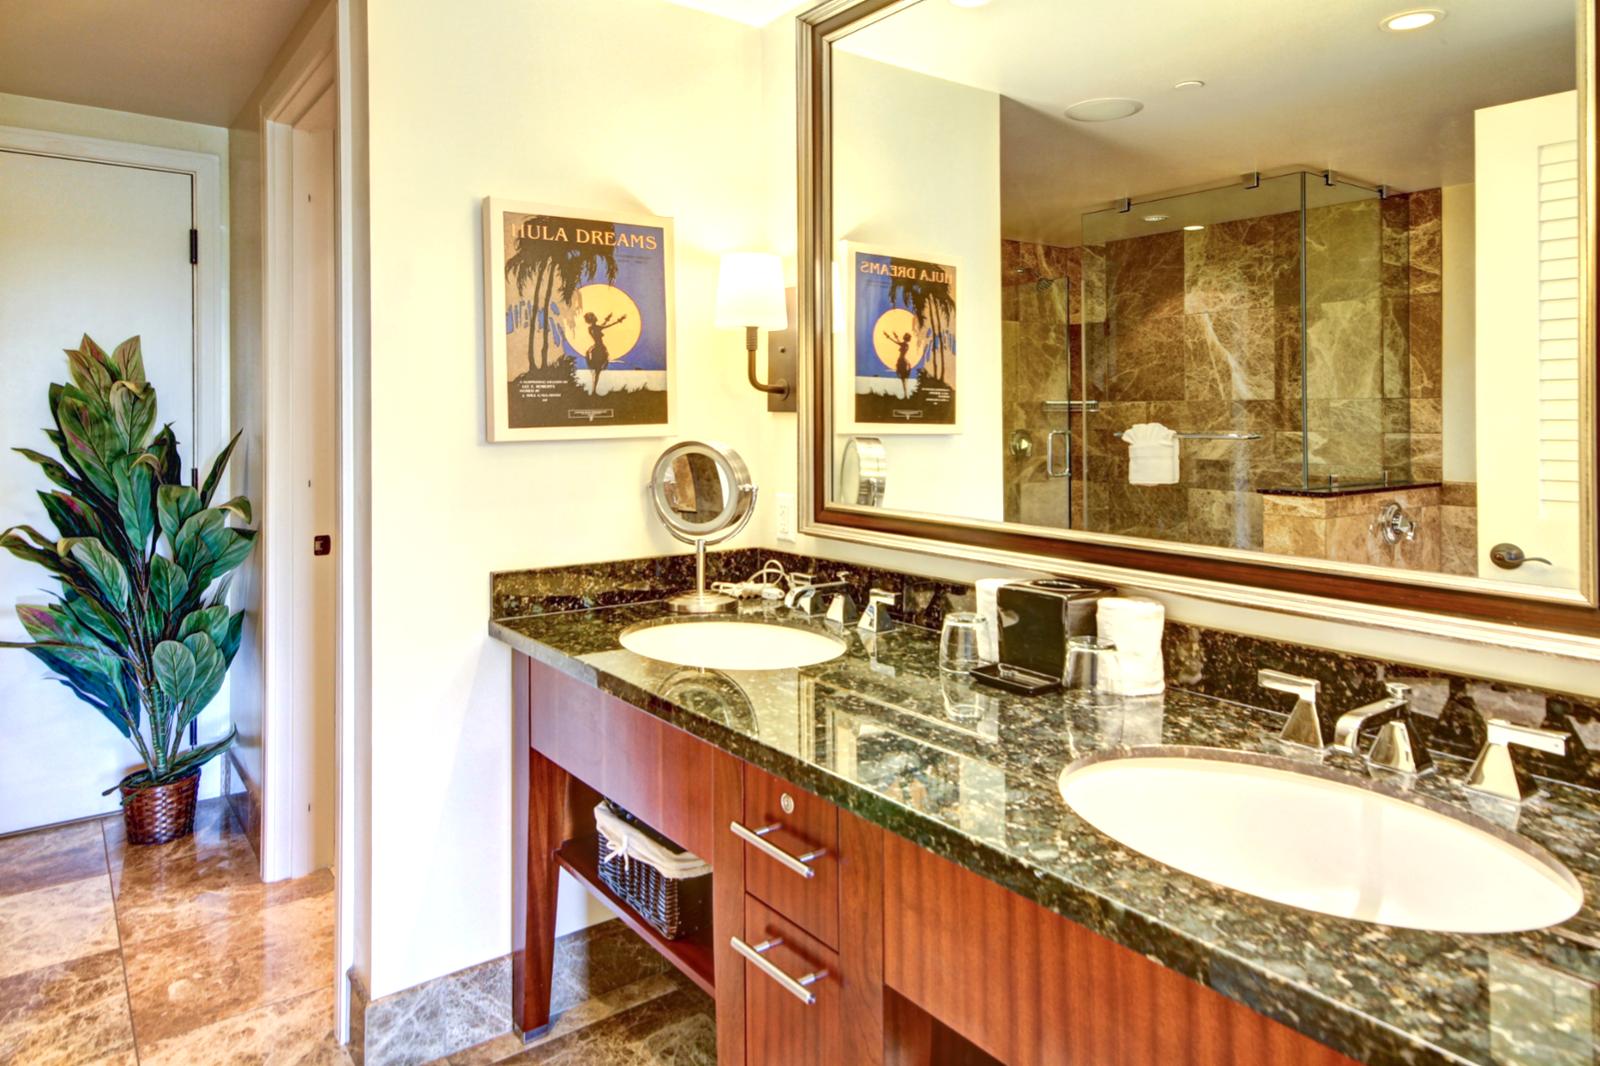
[(1152, 454), (681, 494)]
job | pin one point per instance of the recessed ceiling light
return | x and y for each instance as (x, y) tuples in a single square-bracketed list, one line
[(1155, 218), (1190, 83), (1103, 109), (1191, 229), (1412, 20)]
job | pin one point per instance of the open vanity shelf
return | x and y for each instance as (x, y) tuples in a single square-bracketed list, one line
[(692, 955)]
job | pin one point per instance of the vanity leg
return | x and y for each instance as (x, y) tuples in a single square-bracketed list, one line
[(534, 898), (727, 906)]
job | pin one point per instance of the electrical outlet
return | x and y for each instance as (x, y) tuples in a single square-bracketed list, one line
[(785, 517)]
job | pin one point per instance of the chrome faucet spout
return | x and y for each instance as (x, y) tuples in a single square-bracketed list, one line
[(1398, 746)]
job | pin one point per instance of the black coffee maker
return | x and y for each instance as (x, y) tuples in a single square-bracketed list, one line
[(1036, 618)]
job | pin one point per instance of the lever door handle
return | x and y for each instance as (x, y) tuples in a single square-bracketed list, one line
[(1510, 557)]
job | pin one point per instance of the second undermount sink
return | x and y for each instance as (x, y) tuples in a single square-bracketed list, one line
[(1272, 830), (719, 645)]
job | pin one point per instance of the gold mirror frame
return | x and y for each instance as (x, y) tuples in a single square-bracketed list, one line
[(1559, 621)]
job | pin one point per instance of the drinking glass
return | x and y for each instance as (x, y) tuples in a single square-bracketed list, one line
[(1092, 665), (961, 642)]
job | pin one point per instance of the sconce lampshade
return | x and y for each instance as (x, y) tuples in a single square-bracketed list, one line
[(750, 291)]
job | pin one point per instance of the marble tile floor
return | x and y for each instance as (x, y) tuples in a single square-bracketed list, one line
[(115, 955)]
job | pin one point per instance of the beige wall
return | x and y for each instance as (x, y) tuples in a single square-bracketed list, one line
[(642, 107)]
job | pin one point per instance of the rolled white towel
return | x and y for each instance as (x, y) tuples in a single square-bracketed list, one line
[(1134, 624), (1152, 454)]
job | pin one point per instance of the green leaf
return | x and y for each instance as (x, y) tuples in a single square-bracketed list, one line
[(69, 515), (239, 507), (15, 542), (174, 668), (209, 670), (133, 410), (59, 475), (136, 502), (129, 361), (236, 547), (208, 488), (164, 447), (206, 620), (199, 756), (176, 504), (102, 567), (168, 583), (231, 634)]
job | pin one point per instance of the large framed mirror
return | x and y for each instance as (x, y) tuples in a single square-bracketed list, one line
[(1293, 297)]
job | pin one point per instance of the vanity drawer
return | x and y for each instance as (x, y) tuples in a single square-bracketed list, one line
[(780, 1028), (790, 824)]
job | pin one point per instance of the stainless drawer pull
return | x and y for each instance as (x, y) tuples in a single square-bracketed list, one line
[(757, 839), (795, 986)]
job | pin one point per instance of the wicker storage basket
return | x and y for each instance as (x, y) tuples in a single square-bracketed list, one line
[(159, 814), (668, 887)]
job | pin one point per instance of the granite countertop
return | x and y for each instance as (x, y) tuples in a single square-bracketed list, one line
[(971, 773)]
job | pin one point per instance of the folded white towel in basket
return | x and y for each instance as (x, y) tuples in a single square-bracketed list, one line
[(1152, 454)]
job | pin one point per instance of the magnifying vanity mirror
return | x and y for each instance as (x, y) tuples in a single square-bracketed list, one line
[(1297, 298), (703, 494), (864, 471)]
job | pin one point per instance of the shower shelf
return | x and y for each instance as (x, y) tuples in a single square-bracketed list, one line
[(1087, 406)]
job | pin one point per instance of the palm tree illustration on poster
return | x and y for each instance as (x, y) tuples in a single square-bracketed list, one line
[(578, 323), (902, 341)]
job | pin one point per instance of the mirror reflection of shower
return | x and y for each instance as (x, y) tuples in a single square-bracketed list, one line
[(1255, 319)]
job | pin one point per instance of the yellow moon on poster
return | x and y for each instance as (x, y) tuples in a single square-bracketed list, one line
[(601, 301), (897, 322)]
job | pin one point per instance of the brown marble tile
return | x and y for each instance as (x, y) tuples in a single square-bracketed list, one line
[(214, 829), (1343, 253), (1425, 248), (1287, 533), (48, 857), (220, 882), (293, 1032), (1144, 278), (1344, 358), (1458, 494), (187, 980), (1147, 358), (1426, 344), (1230, 355), (676, 1029), (1458, 546), (1230, 266), (67, 1013), (56, 924)]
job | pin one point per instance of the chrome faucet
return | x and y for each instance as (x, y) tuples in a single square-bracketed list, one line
[(1399, 745), (806, 596), (1496, 772), (876, 618), (1304, 727)]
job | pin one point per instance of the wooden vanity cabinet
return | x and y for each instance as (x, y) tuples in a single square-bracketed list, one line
[(927, 962)]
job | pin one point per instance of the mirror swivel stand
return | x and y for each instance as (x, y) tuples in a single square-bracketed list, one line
[(700, 601)]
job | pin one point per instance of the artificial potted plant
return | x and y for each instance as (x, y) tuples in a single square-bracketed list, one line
[(140, 629)]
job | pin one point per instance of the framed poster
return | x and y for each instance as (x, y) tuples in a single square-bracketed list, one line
[(899, 353), (578, 323)]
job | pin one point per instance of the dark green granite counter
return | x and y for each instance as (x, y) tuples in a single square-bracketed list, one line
[(971, 774)]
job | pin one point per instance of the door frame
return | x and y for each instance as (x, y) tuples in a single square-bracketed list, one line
[(210, 401), (316, 66)]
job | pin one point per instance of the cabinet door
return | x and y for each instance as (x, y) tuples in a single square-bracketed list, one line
[(796, 823), (781, 1029)]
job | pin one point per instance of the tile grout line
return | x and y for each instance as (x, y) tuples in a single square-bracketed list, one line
[(122, 958)]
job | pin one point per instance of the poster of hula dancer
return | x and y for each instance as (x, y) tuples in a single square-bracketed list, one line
[(902, 329), (579, 323)]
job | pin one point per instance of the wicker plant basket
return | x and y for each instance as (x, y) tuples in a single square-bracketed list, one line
[(668, 887), (159, 814)]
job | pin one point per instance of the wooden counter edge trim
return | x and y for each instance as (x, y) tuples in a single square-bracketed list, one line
[(1066, 994)]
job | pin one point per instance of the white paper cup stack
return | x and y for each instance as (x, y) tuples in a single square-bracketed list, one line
[(1134, 625)]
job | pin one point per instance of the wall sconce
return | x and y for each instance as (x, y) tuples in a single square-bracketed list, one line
[(751, 293)]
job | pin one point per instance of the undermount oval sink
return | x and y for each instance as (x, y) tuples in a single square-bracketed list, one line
[(718, 645), (1273, 831)]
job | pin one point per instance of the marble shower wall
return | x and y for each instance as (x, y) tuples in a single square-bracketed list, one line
[(1041, 355), (1199, 331)]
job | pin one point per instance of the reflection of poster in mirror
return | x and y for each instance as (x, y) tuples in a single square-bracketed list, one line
[(579, 330), (903, 340)]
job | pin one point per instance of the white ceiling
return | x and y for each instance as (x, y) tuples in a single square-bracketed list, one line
[(194, 60), (749, 12), (1299, 83)]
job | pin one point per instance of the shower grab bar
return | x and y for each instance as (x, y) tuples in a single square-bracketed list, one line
[(1212, 436), (1074, 406)]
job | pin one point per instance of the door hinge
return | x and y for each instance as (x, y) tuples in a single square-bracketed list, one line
[(194, 246)]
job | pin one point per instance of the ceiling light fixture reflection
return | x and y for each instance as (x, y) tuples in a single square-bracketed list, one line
[(1103, 109), (1189, 83), (1412, 20), (1155, 218), (1192, 229)]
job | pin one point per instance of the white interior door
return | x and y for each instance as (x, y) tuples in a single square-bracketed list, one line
[(1528, 337), (102, 249)]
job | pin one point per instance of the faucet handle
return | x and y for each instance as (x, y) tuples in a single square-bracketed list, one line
[(1399, 691), (1496, 773), (876, 617), (1304, 727)]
